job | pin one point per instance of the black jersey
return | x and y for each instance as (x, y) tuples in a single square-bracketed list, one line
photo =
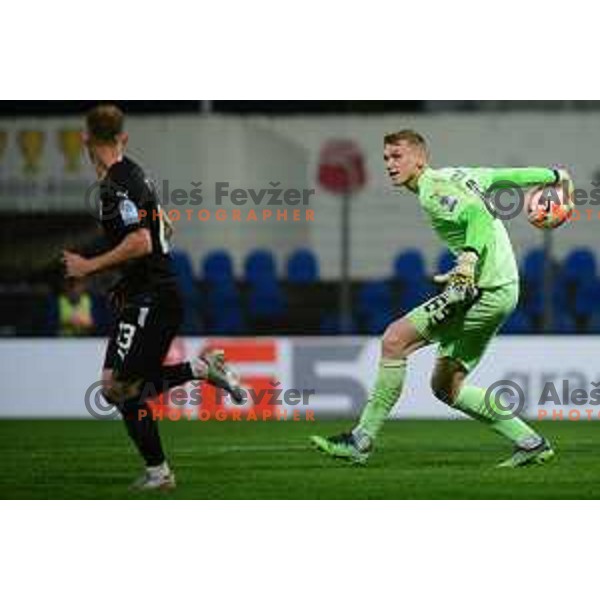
[(128, 202)]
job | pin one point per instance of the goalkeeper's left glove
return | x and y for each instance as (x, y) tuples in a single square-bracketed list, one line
[(460, 281)]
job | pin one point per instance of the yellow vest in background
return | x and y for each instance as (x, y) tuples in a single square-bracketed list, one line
[(75, 319)]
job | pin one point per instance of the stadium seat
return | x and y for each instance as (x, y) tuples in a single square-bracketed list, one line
[(533, 300), (189, 291), (223, 308), (446, 261), (410, 274), (414, 294), (302, 267), (266, 301), (377, 322), (223, 295), (217, 266), (373, 297), (560, 298), (259, 266), (375, 307), (594, 324), (331, 325), (586, 300), (267, 307), (579, 265), (563, 323), (410, 266), (533, 265), (228, 322), (518, 322), (184, 272)]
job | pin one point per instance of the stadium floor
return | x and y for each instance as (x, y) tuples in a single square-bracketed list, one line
[(416, 459)]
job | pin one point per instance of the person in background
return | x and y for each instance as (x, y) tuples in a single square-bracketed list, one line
[(75, 316)]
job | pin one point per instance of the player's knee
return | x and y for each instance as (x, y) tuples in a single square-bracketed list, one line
[(109, 392), (121, 389), (442, 389), (447, 379), (394, 344)]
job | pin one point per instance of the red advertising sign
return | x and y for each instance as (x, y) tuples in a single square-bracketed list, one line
[(342, 167)]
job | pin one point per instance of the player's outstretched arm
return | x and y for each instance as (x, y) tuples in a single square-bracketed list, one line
[(135, 244), (525, 176)]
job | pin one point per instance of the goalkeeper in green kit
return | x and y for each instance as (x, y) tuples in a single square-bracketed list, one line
[(479, 294)]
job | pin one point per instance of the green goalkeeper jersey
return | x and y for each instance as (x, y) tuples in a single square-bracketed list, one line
[(453, 199)]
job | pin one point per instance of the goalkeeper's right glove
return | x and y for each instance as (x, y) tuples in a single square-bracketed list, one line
[(460, 281), (563, 176)]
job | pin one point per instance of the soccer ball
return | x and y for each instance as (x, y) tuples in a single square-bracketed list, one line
[(549, 206)]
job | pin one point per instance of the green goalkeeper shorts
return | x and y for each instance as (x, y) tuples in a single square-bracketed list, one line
[(464, 334)]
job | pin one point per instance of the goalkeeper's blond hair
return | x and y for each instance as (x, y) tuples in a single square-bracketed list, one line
[(410, 136)]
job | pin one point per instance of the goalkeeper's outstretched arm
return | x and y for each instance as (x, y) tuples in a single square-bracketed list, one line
[(525, 176)]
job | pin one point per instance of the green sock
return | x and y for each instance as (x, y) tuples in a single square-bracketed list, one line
[(471, 401), (385, 393)]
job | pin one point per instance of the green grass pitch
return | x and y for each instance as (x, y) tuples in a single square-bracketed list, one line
[(273, 460)]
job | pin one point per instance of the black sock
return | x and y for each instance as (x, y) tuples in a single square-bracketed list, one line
[(137, 414), (174, 375), (143, 430), (167, 378)]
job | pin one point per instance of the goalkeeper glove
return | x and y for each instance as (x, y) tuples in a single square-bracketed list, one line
[(460, 281), (564, 177)]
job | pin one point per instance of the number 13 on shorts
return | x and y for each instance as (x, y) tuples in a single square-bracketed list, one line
[(125, 339)]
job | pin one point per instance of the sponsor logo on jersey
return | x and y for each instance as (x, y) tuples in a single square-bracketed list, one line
[(129, 212)]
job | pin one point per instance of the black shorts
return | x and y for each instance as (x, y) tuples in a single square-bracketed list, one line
[(142, 335)]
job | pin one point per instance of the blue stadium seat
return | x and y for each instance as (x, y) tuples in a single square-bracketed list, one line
[(184, 272), (266, 301), (228, 322), (414, 294), (587, 297), (579, 265), (563, 323), (594, 324), (302, 267), (217, 266), (533, 265), (223, 295), (331, 325), (260, 266), (533, 297), (377, 322), (223, 308), (533, 300), (375, 306), (518, 322), (189, 291), (446, 261), (410, 266), (409, 269), (374, 296)]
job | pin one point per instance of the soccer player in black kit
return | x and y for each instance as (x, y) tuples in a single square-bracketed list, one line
[(146, 299)]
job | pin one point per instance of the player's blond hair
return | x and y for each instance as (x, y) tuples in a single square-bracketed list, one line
[(104, 123), (410, 136)]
